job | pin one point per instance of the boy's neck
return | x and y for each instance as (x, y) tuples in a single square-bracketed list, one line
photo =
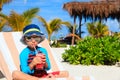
[(32, 49)]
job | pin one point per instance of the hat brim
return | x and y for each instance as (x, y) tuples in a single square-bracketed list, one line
[(41, 35), (34, 33)]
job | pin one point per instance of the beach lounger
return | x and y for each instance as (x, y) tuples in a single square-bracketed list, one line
[(10, 47)]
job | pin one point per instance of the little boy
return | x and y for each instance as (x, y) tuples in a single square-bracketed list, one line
[(34, 59)]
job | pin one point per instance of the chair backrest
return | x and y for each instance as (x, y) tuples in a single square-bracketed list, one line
[(10, 47)]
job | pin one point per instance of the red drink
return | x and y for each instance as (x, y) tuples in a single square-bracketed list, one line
[(40, 66)]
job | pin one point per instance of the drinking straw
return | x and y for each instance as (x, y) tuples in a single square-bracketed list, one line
[(35, 50)]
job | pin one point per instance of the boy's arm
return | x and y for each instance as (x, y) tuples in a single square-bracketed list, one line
[(47, 64), (31, 65), (23, 62)]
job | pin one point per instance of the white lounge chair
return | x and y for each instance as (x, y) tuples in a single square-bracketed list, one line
[(10, 47)]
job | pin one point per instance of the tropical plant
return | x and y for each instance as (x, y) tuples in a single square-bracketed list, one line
[(19, 21), (73, 33), (94, 51), (53, 25), (2, 2), (97, 29), (70, 29)]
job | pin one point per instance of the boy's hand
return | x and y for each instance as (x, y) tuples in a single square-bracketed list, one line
[(42, 57), (36, 60), (39, 59)]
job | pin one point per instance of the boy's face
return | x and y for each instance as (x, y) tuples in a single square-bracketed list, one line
[(32, 41)]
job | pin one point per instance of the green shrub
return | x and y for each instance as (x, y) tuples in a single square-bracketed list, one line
[(94, 51)]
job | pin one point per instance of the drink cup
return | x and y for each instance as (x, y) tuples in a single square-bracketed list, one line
[(40, 66)]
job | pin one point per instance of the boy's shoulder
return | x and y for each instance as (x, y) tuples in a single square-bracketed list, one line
[(25, 50)]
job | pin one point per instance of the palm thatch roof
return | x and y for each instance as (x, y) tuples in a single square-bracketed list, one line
[(94, 10)]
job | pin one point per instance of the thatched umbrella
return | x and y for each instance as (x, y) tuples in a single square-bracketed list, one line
[(92, 10)]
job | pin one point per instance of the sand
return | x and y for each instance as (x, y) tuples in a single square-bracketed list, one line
[(98, 72)]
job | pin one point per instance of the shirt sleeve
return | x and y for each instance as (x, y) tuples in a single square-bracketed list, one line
[(44, 51), (23, 62)]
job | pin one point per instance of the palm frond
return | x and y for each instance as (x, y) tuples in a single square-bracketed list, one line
[(45, 24), (30, 14)]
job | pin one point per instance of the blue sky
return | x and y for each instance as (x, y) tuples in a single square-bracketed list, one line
[(50, 9)]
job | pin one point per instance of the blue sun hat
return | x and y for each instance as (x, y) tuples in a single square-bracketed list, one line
[(31, 30)]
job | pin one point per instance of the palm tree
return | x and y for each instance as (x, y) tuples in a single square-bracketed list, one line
[(2, 23), (19, 21), (97, 29), (73, 33), (2, 2), (53, 25)]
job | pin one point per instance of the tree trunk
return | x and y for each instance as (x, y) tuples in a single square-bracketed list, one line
[(73, 32), (80, 18)]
